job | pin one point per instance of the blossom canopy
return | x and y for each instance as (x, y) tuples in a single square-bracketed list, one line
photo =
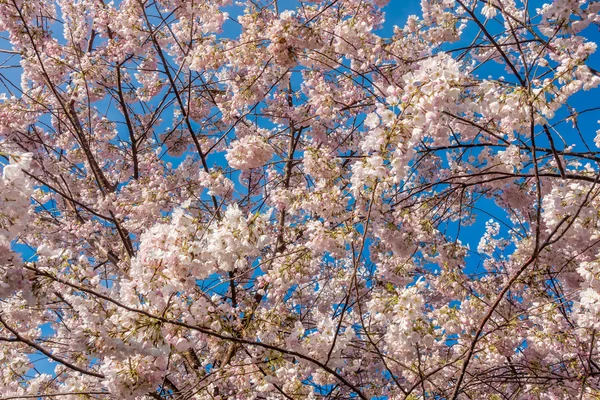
[(237, 200)]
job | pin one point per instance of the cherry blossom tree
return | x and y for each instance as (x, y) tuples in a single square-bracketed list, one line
[(207, 199)]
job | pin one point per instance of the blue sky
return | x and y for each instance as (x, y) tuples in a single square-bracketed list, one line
[(396, 13)]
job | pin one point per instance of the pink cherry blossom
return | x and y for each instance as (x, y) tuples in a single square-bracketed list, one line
[(293, 200)]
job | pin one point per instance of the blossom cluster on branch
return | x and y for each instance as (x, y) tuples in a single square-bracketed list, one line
[(226, 199)]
